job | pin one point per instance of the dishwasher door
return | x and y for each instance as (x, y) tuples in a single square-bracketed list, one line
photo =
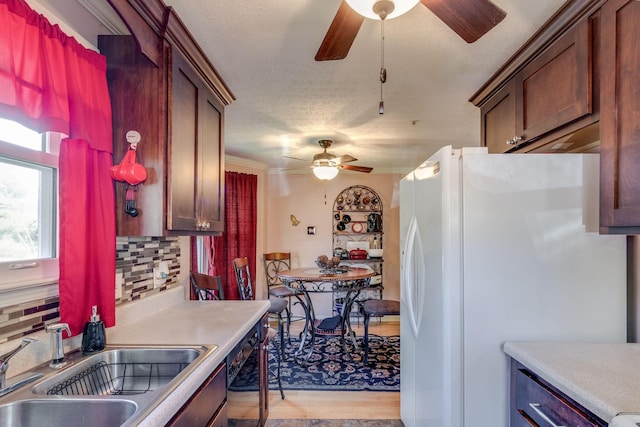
[(243, 383)]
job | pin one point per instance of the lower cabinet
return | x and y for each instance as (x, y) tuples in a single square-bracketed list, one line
[(207, 407), (534, 402)]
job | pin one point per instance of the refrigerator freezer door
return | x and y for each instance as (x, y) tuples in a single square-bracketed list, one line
[(412, 277), (425, 285)]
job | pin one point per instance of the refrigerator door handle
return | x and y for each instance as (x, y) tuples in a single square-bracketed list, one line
[(413, 274)]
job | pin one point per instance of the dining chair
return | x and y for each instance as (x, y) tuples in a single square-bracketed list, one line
[(275, 262), (378, 308), (206, 287), (277, 306)]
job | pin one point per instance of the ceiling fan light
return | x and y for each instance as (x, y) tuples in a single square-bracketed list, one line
[(365, 7), (325, 173)]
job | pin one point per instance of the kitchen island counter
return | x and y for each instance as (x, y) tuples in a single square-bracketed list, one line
[(602, 377)]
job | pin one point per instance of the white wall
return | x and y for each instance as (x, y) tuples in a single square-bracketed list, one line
[(303, 195)]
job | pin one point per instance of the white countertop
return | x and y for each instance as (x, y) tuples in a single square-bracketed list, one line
[(222, 323), (604, 378)]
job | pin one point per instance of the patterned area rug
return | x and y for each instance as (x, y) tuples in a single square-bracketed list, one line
[(329, 368)]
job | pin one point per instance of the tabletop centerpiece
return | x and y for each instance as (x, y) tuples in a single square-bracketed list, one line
[(330, 265)]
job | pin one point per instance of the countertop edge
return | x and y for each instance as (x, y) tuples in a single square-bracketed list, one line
[(550, 361)]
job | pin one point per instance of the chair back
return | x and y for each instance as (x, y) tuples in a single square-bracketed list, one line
[(274, 262), (243, 277), (206, 287)]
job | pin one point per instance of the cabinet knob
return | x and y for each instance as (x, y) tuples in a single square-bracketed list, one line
[(515, 140), (203, 225)]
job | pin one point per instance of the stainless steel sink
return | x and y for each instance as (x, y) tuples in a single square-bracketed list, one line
[(67, 412), (120, 371), (118, 386)]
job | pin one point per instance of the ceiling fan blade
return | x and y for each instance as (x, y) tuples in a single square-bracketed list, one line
[(470, 19), (341, 34), (355, 168), (294, 169), (295, 158), (343, 159)]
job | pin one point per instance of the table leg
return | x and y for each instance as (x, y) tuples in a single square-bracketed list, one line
[(365, 358), (350, 299), (308, 328)]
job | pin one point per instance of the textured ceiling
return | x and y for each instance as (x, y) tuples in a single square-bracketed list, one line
[(286, 101)]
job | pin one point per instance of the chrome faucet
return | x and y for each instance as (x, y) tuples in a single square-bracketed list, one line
[(57, 359), (4, 361)]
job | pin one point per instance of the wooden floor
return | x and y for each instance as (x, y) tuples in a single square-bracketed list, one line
[(344, 405)]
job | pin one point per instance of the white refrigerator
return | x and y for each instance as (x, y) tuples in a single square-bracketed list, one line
[(495, 249)]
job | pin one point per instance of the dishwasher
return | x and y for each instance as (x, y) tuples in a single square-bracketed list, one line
[(243, 378)]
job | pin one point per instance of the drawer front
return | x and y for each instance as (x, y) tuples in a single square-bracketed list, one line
[(221, 418), (207, 401), (540, 405)]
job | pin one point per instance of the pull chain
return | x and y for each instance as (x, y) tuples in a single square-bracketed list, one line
[(383, 71), (325, 192)]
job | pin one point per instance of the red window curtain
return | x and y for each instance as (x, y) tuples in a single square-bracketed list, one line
[(49, 82), (240, 225)]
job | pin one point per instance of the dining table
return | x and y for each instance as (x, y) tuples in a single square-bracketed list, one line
[(309, 280)]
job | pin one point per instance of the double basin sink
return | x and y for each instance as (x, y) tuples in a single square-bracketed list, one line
[(119, 386)]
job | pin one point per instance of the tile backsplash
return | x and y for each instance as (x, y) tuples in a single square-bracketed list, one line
[(136, 258)]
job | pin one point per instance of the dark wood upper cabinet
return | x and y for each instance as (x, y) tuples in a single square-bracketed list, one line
[(498, 125), (620, 118), (196, 182), (162, 85), (555, 88), (548, 89)]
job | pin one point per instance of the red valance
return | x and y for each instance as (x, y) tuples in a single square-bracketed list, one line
[(49, 81)]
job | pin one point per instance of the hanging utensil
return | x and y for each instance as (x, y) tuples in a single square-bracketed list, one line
[(130, 203)]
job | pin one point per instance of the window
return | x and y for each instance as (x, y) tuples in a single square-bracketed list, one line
[(28, 206)]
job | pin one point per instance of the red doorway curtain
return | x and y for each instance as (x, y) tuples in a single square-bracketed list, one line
[(240, 230), (49, 82)]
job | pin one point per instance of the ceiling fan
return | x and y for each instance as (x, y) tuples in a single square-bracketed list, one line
[(470, 19), (326, 165)]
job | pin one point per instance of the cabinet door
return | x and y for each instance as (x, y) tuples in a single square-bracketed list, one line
[(620, 116), (498, 115), (207, 405), (555, 88), (183, 209), (196, 162), (210, 173)]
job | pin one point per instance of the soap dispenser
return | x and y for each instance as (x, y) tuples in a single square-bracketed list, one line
[(94, 337)]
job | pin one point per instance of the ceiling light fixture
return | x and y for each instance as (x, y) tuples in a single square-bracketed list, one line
[(325, 172), (382, 9)]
